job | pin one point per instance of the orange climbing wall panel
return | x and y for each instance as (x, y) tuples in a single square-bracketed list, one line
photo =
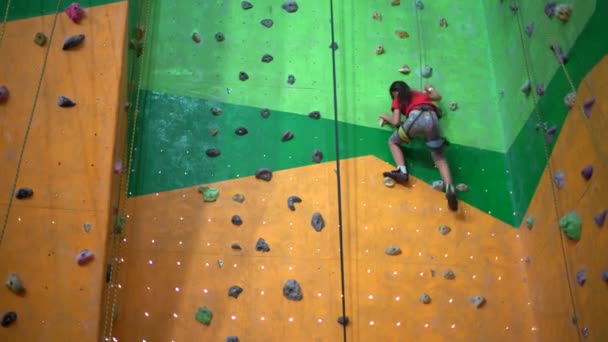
[(174, 241), (556, 296), (67, 160)]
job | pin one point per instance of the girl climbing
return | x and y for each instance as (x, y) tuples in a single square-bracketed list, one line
[(422, 120)]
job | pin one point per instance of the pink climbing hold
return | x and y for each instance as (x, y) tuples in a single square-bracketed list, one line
[(75, 12), (3, 94), (587, 107), (118, 166)]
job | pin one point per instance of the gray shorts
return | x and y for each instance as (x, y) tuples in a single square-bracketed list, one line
[(423, 124)]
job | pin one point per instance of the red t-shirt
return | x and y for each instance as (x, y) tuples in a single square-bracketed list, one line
[(418, 98)]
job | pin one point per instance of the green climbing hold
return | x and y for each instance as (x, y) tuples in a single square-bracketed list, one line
[(209, 194), (119, 225), (40, 39), (530, 222), (572, 225), (204, 315)]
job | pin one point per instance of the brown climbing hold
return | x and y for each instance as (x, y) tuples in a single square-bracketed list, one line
[(443, 22), (405, 69), (379, 50), (395, 2), (196, 37), (377, 16), (402, 34), (40, 39), (140, 31)]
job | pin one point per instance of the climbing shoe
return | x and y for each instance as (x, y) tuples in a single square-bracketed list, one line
[(450, 194), (397, 175)]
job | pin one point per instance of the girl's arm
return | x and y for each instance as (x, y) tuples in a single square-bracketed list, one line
[(392, 119), (433, 94)]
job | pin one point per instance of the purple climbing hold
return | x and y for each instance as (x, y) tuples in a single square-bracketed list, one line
[(600, 218), (540, 89), (559, 179), (530, 29), (587, 172), (550, 9), (84, 257), (550, 134), (3, 94), (581, 276), (587, 107), (73, 41), (605, 275), (562, 58)]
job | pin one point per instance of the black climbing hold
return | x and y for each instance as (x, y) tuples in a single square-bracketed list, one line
[(196, 37), (9, 318), (291, 79), (109, 269), (246, 5), (317, 221), (236, 246), (241, 131), (288, 135), (40, 39), (265, 113), (235, 291), (220, 37), (449, 274), (232, 339), (73, 41), (314, 115), (317, 156), (213, 152), (267, 58), (343, 320), (262, 246), (65, 102), (333, 46), (263, 174), (290, 6), (24, 193), (236, 220), (243, 76), (291, 202), (216, 110), (292, 290), (267, 22)]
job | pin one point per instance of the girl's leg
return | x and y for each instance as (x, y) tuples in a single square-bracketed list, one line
[(400, 174), (444, 169)]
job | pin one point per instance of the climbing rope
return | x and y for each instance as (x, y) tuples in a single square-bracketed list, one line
[(421, 58), (549, 167), (123, 202), (4, 21), (29, 124)]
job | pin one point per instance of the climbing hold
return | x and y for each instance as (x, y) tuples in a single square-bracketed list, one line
[(15, 284), (86, 227), (587, 107), (550, 134), (4, 94), (419, 5), (118, 166), (65, 102), (213, 132), (314, 115), (443, 22), (562, 58), (392, 250), (462, 187), (40, 39), (449, 274), (73, 41), (600, 218), (540, 89), (425, 298), (291, 79), (388, 182), (265, 113), (529, 29), (526, 87), (213, 152), (377, 16), (401, 34), (232, 339), (220, 263), (426, 71), (343, 320), (317, 156), (267, 58), (530, 222), (404, 69), (246, 5), (9, 318), (292, 200), (432, 273), (263, 174), (605, 276), (243, 76), (235, 291), (317, 221), (267, 23), (477, 301), (209, 194), (140, 31), (570, 99), (236, 220), (585, 332), (236, 246), (514, 7), (379, 50), (550, 9), (444, 230), (292, 290), (220, 37), (559, 179), (238, 198), (241, 131), (119, 224), (196, 37), (262, 246), (75, 12), (290, 6), (24, 193), (109, 270), (528, 259), (288, 135), (84, 257), (587, 172), (395, 2), (438, 185), (571, 225), (333, 46), (581, 276), (204, 315), (453, 106), (563, 12)]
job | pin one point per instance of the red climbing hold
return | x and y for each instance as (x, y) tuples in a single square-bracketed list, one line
[(75, 12)]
